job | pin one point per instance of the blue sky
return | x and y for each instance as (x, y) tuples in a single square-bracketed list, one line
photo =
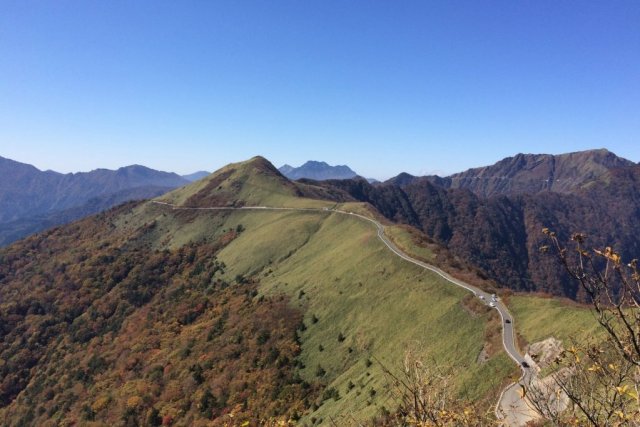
[(383, 86)]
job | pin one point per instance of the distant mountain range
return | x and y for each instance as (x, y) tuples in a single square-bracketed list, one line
[(32, 200), (318, 171)]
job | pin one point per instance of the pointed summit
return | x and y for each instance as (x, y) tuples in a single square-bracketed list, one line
[(402, 179), (252, 182), (259, 163)]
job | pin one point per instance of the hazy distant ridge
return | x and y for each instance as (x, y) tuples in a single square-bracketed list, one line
[(31, 200), (319, 171)]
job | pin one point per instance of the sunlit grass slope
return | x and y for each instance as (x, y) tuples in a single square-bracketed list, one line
[(362, 304), (540, 318), (536, 318)]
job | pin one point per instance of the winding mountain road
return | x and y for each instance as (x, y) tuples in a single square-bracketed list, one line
[(511, 408)]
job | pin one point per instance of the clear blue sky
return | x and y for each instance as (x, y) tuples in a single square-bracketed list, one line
[(383, 86)]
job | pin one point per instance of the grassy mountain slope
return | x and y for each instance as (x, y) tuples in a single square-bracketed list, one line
[(540, 318), (536, 317), (338, 271), (255, 182)]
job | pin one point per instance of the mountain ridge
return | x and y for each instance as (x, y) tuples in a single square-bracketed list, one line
[(12, 231), (533, 173), (27, 193)]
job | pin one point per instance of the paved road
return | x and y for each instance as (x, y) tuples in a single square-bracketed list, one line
[(510, 405)]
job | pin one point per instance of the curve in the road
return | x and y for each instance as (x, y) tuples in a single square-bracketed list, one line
[(508, 331)]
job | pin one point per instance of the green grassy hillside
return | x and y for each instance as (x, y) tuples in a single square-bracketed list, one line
[(537, 317), (540, 318), (362, 303)]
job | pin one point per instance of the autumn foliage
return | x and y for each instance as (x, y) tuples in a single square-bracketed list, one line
[(97, 327)]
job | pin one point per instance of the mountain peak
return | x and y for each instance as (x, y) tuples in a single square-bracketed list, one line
[(260, 163), (318, 170), (134, 170), (17, 167), (401, 179), (255, 181), (315, 163)]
